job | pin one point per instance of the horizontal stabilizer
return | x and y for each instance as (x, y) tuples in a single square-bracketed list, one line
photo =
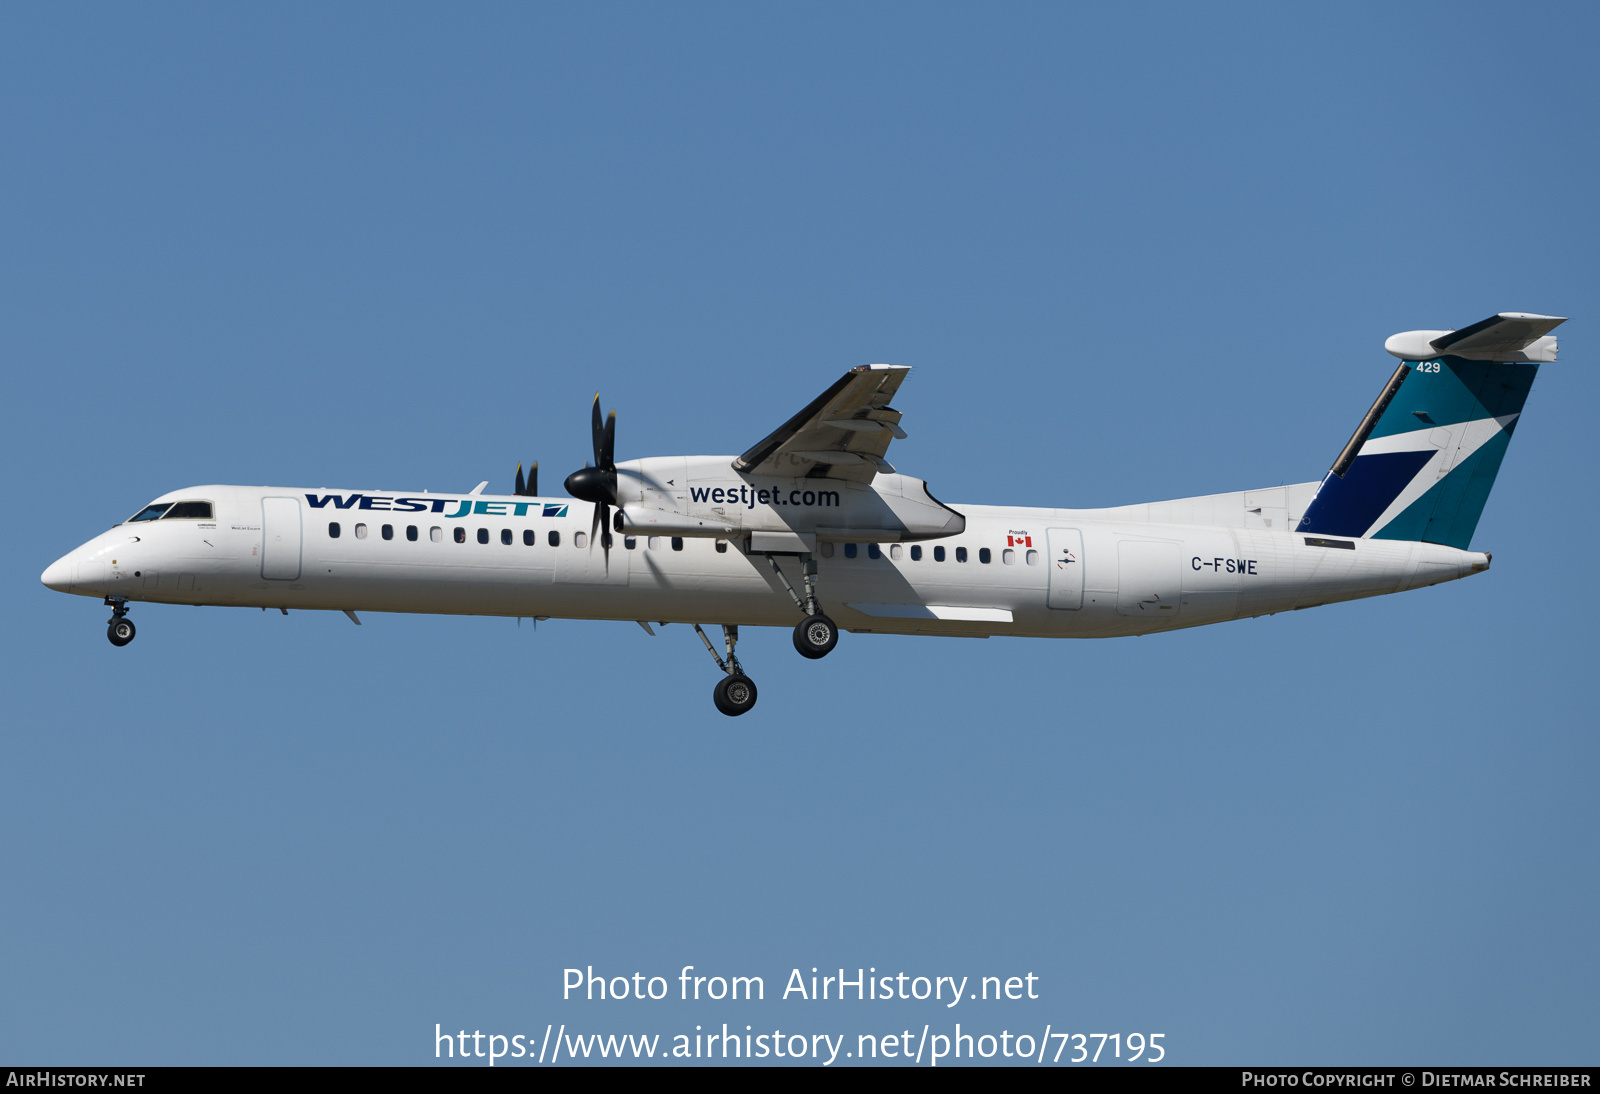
[(1509, 336)]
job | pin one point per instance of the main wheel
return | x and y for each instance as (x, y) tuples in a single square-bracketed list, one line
[(734, 694), (120, 632), (815, 636)]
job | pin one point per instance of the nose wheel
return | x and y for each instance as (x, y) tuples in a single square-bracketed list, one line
[(119, 628), (735, 693)]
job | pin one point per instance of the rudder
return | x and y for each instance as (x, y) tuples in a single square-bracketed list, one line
[(1421, 464)]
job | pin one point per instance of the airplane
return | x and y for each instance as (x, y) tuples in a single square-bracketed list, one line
[(814, 515)]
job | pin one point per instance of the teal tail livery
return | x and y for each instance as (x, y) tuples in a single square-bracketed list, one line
[(1420, 465)]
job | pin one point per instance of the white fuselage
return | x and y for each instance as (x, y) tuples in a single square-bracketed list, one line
[(1049, 572)]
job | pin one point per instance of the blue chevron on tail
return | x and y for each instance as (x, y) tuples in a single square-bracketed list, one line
[(1421, 464)]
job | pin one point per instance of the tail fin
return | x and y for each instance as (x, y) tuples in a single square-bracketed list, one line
[(1421, 464)]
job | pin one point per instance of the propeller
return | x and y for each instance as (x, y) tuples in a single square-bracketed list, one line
[(599, 482), (529, 489)]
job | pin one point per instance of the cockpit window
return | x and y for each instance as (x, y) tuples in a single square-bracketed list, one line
[(150, 512), (189, 510)]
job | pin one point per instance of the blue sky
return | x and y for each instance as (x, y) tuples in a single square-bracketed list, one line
[(1132, 252)]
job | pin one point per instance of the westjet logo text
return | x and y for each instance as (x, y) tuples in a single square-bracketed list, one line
[(750, 497), (465, 506)]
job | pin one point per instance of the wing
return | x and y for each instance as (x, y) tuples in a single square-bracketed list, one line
[(842, 434)]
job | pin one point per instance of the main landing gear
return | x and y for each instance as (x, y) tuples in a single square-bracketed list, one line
[(735, 693), (816, 634), (814, 637), (119, 629)]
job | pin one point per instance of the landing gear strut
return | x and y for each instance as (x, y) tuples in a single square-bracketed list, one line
[(816, 634), (735, 693), (119, 629)]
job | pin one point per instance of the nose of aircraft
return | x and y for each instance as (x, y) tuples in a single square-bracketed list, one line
[(58, 575)]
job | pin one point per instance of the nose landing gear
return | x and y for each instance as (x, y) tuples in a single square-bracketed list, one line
[(735, 693), (119, 629)]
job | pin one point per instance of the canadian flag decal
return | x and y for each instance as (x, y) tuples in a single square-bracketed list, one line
[(1019, 539)]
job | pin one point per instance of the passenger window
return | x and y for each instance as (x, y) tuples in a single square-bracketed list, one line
[(555, 538), (873, 552), (654, 543), (149, 512), (461, 534), (436, 534), (483, 535), (827, 550), (333, 529), (984, 556), (961, 554), (388, 531), (938, 554), (677, 543), (1009, 557), (361, 531), (1033, 558), (722, 546), (916, 552), (849, 550), (629, 542), (411, 532), (895, 551), (528, 537), (505, 536), (580, 540), (189, 510)]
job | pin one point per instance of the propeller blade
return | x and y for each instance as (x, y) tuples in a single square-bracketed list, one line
[(599, 482), (600, 531), (533, 480), (521, 487)]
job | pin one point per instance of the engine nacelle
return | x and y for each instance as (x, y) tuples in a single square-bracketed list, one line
[(704, 496)]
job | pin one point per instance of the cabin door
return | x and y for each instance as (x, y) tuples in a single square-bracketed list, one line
[(1066, 568), (280, 539)]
